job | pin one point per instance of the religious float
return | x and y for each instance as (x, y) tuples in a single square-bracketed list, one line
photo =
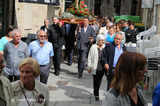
[(76, 12)]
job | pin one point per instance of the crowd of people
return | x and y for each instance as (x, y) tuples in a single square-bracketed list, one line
[(99, 45)]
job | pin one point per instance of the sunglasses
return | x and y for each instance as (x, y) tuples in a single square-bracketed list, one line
[(42, 36)]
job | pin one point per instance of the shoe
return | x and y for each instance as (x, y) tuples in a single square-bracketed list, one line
[(54, 72), (97, 98), (80, 75), (69, 64), (57, 73)]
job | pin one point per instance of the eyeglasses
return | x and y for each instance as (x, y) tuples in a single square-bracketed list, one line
[(42, 36)]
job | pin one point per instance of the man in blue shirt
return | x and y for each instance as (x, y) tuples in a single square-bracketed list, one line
[(156, 95), (42, 51), (110, 56)]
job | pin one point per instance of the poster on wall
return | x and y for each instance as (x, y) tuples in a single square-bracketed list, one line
[(157, 1), (53, 2), (147, 3)]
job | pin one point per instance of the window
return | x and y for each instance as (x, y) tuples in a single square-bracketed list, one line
[(68, 3)]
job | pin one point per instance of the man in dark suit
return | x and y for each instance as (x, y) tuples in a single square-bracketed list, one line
[(110, 56), (70, 40), (46, 27), (85, 37), (57, 33)]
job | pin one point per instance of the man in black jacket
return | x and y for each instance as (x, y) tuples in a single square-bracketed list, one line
[(57, 33), (70, 40), (110, 56), (46, 27)]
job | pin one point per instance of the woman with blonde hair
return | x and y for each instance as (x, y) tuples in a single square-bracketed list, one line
[(27, 90), (124, 89)]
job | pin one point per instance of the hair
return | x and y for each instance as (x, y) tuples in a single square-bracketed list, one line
[(39, 32), (33, 63), (119, 25), (16, 30), (125, 71), (111, 27), (10, 28), (55, 17), (131, 23), (46, 20), (118, 33), (86, 17)]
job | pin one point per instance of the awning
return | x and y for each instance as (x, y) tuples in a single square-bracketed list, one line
[(51, 2)]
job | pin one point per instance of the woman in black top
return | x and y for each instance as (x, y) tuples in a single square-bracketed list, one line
[(131, 33)]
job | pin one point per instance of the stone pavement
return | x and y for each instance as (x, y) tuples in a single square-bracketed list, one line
[(69, 90)]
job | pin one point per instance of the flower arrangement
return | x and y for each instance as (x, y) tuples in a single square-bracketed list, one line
[(81, 11), (144, 86)]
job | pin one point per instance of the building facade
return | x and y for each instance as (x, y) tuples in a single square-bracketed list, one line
[(26, 16)]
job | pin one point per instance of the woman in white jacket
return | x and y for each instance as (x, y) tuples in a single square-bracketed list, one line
[(94, 66)]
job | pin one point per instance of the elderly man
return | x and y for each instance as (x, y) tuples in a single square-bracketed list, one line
[(5, 87), (57, 33), (46, 27), (14, 52), (85, 37), (42, 51), (111, 54)]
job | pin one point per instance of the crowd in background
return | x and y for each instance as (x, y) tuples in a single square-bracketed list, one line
[(98, 43)]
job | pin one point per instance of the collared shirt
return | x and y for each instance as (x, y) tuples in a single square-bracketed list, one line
[(41, 54), (85, 29), (117, 54), (67, 29), (13, 56), (45, 29)]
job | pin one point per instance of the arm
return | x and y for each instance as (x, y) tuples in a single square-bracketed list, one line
[(5, 52), (90, 56), (62, 31), (26, 51), (93, 35), (134, 33), (104, 58)]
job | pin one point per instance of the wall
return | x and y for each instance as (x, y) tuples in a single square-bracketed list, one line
[(29, 17)]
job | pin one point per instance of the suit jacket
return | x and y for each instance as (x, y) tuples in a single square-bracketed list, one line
[(108, 54), (83, 42), (7, 91), (70, 38), (57, 35), (38, 89), (96, 28), (43, 28)]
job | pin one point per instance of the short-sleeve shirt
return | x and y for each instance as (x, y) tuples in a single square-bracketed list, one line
[(41, 54), (3, 41), (13, 56)]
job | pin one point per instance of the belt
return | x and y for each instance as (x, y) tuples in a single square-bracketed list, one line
[(113, 67), (43, 65)]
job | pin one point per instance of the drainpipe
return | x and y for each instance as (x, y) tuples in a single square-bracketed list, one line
[(154, 16), (13, 11)]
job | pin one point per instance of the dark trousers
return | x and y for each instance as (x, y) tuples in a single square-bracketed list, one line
[(12, 77), (44, 73), (69, 52), (110, 78), (57, 58), (97, 79), (81, 61)]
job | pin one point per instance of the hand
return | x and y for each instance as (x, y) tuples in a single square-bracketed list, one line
[(89, 70), (91, 39), (79, 29), (106, 66), (60, 24)]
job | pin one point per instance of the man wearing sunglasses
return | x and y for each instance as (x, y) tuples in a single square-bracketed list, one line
[(110, 56), (42, 51)]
